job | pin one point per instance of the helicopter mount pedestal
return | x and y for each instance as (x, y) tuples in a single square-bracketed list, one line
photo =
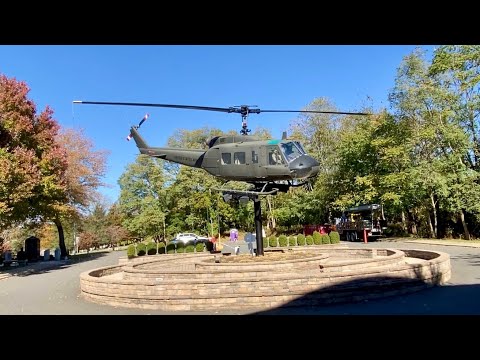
[(244, 196)]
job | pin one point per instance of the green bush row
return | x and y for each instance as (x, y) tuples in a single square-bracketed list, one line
[(301, 240), (272, 241)]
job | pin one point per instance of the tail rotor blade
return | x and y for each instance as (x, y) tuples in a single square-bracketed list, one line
[(129, 137)]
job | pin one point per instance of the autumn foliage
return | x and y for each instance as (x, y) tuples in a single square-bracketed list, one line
[(45, 174), (32, 164)]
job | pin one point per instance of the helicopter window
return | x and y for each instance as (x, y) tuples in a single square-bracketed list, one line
[(254, 157), (274, 157), (300, 147), (290, 151), (239, 158), (226, 158)]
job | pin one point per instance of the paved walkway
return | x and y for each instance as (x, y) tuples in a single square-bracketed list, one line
[(31, 268)]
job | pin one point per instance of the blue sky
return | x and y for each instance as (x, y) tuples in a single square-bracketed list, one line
[(270, 76)]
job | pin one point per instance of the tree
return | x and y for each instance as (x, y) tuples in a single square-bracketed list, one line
[(436, 101), (142, 197), (456, 73), (32, 163), (85, 169)]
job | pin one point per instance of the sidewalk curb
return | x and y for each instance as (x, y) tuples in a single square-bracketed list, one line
[(442, 243)]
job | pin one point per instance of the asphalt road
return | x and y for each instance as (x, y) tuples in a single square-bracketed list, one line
[(57, 291)]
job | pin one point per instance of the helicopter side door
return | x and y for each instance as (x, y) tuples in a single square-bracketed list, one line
[(257, 156)]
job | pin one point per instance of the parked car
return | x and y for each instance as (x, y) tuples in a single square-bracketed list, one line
[(189, 237)]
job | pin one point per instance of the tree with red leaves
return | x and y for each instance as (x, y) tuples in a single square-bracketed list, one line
[(45, 174), (32, 163)]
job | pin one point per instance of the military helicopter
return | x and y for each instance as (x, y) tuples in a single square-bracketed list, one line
[(268, 165)]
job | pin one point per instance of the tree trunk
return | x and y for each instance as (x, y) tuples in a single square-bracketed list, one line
[(435, 221), (271, 219), (413, 222), (429, 219), (61, 239), (414, 228), (464, 224), (404, 221)]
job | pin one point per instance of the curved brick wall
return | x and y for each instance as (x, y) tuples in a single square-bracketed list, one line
[(187, 282)]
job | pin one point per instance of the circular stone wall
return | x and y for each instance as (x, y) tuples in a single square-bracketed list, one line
[(296, 277)]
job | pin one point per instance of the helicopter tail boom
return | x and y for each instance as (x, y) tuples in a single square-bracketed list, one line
[(136, 136), (190, 157)]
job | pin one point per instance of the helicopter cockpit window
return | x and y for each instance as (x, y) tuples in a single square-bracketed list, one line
[(226, 158), (274, 157), (239, 158), (290, 150), (300, 147)]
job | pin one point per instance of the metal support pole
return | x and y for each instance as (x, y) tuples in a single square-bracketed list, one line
[(258, 224)]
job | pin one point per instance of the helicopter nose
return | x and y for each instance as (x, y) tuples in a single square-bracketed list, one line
[(304, 166)]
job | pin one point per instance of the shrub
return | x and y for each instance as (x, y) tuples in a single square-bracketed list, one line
[(152, 248), (161, 248), (395, 230), (301, 240), (171, 249), (282, 240), (325, 239), (180, 247), (309, 240), (317, 239), (272, 241), (334, 237), (265, 242), (141, 249), (200, 247), (189, 248), (131, 251), (292, 241)]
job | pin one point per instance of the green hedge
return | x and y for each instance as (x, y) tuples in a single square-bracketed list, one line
[(334, 237), (317, 240), (272, 241), (309, 240), (292, 241), (180, 247), (189, 248), (151, 248), (265, 242), (161, 248), (300, 240), (131, 251), (171, 249), (282, 240), (325, 239), (200, 247), (141, 249)]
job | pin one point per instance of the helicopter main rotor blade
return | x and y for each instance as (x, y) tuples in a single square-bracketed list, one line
[(243, 109), (314, 111), (192, 107)]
